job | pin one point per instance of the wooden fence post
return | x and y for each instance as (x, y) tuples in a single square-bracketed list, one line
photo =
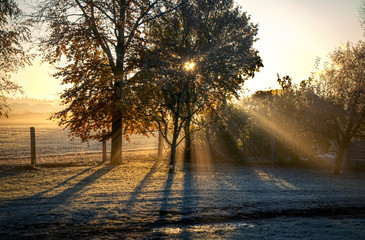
[(32, 146), (104, 147)]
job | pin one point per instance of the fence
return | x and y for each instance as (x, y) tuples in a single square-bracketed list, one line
[(50, 144), (354, 155)]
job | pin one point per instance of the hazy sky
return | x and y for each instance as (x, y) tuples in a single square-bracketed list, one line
[(292, 34)]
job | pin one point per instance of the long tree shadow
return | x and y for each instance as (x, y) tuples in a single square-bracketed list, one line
[(14, 171), (40, 194), (139, 188), (87, 181), (167, 222), (38, 209), (165, 198), (187, 200), (164, 209)]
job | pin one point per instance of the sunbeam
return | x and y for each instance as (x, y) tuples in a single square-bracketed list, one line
[(201, 154), (290, 135), (281, 183)]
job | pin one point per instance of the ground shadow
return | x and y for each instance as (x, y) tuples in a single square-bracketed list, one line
[(187, 200), (40, 194), (139, 188), (164, 209), (88, 180), (38, 209), (15, 170)]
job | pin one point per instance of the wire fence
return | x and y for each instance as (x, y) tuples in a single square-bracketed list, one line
[(354, 156), (54, 146)]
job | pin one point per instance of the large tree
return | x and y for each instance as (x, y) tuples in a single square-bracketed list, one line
[(14, 31), (201, 56), (97, 44), (343, 86)]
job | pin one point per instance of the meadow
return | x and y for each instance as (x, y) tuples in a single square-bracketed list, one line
[(53, 144), (200, 200)]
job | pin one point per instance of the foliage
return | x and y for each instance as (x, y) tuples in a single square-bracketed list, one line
[(215, 39), (97, 44), (329, 106), (14, 30), (229, 132), (342, 85), (293, 116)]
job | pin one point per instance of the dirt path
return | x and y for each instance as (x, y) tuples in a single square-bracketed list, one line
[(218, 201)]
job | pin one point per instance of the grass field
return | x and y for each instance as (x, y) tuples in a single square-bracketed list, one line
[(210, 200), (54, 145)]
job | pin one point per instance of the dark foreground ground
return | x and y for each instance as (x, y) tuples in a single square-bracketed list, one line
[(139, 200)]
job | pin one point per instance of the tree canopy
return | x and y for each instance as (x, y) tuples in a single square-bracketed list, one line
[(342, 84), (97, 44), (14, 30), (198, 59)]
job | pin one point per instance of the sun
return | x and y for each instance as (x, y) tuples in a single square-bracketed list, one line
[(189, 66)]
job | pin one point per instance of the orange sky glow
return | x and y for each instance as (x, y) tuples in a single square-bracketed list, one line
[(292, 33)]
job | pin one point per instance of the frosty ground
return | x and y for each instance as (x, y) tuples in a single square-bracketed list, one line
[(201, 200)]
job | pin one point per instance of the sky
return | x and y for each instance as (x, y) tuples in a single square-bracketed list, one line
[(292, 34)]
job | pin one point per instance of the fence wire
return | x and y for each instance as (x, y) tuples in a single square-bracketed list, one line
[(54, 146)]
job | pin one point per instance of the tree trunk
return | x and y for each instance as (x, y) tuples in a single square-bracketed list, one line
[(338, 161), (172, 158), (187, 152), (117, 139), (117, 114), (175, 135)]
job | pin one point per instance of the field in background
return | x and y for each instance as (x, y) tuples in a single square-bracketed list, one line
[(53, 145)]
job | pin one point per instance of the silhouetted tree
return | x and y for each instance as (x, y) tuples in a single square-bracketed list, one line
[(292, 117), (96, 44), (202, 56), (342, 85), (228, 132)]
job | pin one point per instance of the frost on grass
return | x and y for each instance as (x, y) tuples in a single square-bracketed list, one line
[(200, 200)]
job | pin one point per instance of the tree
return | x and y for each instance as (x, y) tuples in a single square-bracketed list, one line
[(14, 30), (342, 85), (203, 56), (227, 132), (291, 118), (97, 44)]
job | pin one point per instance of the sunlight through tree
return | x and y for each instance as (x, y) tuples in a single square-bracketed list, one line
[(203, 56)]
